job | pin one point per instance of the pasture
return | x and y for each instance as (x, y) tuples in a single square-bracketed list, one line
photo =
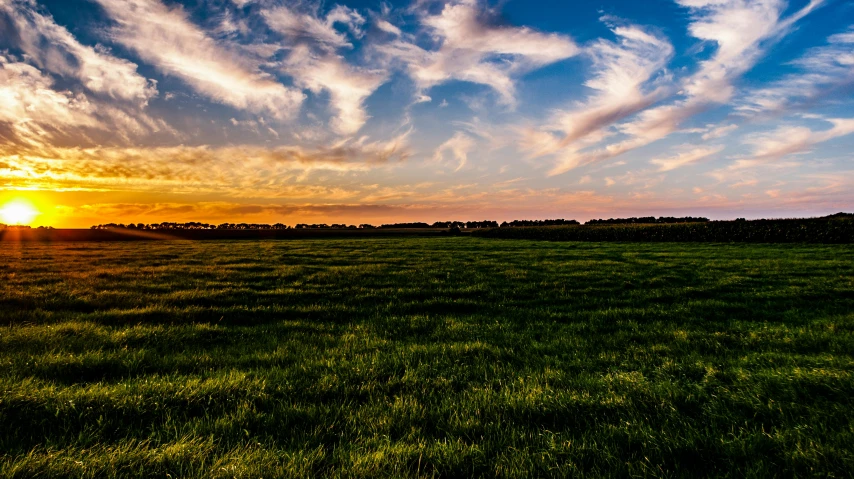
[(425, 357)]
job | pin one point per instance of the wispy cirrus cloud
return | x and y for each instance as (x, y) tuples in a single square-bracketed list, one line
[(790, 140), (622, 73), (238, 170), (458, 147), (685, 158), (53, 48), (740, 30), (468, 45), (167, 39), (824, 70), (300, 27), (37, 114), (315, 65)]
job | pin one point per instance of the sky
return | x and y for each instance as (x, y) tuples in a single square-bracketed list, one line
[(374, 111)]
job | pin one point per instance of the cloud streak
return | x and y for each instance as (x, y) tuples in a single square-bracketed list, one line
[(472, 48), (686, 158), (739, 29), (790, 140), (166, 38), (53, 48)]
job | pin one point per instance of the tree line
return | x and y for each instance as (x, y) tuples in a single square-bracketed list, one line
[(194, 225), (838, 228), (23, 227), (648, 220)]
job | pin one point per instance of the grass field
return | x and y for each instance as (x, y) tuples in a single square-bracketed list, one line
[(430, 357)]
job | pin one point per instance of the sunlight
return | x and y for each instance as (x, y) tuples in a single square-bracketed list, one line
[(18, 212)]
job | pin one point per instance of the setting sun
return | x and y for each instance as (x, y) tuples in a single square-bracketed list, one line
[(18, 212)]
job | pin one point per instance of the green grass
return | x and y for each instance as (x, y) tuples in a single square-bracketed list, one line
[(430, 357)]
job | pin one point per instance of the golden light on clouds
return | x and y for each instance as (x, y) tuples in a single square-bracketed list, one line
[(18, 212)]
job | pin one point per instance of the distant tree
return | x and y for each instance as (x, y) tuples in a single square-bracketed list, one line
[(556, 222), (405, 225), (481, 224), (647, 220)]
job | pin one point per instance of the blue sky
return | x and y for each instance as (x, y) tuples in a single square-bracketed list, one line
[(271, 110)]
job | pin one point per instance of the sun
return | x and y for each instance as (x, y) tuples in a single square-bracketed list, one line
[(18, 212)]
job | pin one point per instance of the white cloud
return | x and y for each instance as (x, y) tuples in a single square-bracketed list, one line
[(37, 113), (348, 86), (621, 74), (472, 49), (715, 132), (33, 109), (167, 39), (459, 146), (686, 158), (296, 26), (739, 29), (53, 48), (315, 66), (621, 71), (387, 27), (824, 70), (790, 140)]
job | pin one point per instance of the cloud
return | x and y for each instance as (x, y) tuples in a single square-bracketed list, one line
[(33, 109), (620, 70), (473, 48), (824, 70), (315, 66), (621, 73), (168, 40), (234, 170), (459, 146), (742, 183), (348, 86), (51, 47), (225, 211), (686, 158), (387, 27), (740, 29), (35, 113), (300, 27), (715, 132), (790, 140)]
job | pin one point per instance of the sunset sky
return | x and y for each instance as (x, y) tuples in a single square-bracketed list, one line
[(371, 111)]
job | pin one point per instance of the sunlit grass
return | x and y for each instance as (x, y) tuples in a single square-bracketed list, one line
[(433, 357)]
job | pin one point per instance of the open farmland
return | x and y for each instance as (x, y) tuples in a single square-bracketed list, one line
[(430, 357)]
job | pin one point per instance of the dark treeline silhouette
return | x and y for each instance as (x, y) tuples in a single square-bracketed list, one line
[(449, 224), (457, 226), (838, 228), (303, 226), (481, 224), (648, 220), (465, 224), (518, 223), (406, 225), (193, 225)]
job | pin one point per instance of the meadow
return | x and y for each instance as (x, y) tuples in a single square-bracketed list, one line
[(425, 357)]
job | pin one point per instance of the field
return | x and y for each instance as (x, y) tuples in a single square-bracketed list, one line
[(425, 357)]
